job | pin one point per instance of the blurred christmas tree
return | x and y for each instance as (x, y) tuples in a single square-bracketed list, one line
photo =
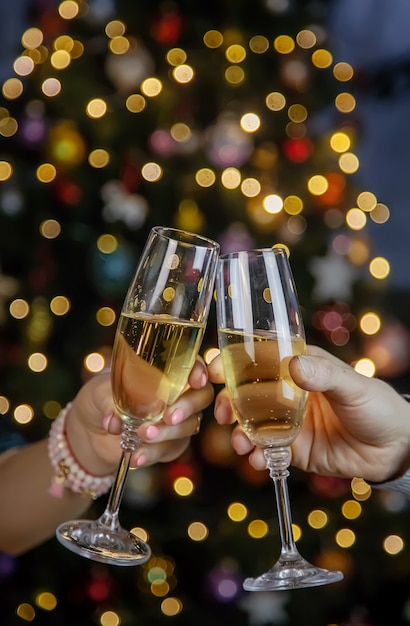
[(235, 121)]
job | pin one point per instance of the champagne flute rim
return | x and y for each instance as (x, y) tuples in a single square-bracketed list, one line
[(256, 251), (197, 240)]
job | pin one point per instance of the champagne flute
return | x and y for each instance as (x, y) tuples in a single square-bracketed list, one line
[(158, 337), (259, 330)]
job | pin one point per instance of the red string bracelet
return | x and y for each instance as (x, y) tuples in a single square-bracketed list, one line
[(68, 471)]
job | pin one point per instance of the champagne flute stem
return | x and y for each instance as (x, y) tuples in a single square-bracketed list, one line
[(129, 444), (278, 460)]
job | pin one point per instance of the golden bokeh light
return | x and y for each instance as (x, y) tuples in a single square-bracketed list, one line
[(183, 73), (322, 58), (380, 213), (151, 87), (50, 229), (366, 367), (183, 486), (306, 39), (317, 519), (37, 362), (237, 511), (250, 187), (231, 178), (171, 606), (19, 309), (23, 66), (275, 101), (235, 53), (356, 219), (106, 316), (205, 177), (361, 490), (32, 38), (213, 39), (318, 185), (60, 305), (60, 59), (46, 600), (151, 172), (69, 9), (119, 45), (297, 113), (393, 544), (176, 56), (293, 205), (197, 531), (46, 172), (110, 618), (343, 71), (51, 87), (340, 142), (4, 405), (284, 44), (250, 122), (135, 103), (351, 509), (257, 529), (96, 108), (99, 158), (12, 88), (94, 362), (234, 75), (367, 201), (345, 102), (115, 28), (107, 243), (349, 163), (6, 170), (259, 44), (370, 323), (23, 414), (379, 268), (345, 538)]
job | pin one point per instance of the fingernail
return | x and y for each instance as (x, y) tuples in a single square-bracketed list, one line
[(177, 416), (141, 460), (152, 432), (306, 366), (107, 419), (204, 379)]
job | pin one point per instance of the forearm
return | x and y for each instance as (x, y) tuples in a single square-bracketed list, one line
[(25, 477)]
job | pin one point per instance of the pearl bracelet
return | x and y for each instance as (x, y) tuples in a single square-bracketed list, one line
[(68, 471)]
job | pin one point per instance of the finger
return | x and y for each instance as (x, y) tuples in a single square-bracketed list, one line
[(215, 370), (161, 452), (223, 409), (191, 402), (240, 442), (333, 377), (257, 459), (199, 374), (159, 432), (112, 423)]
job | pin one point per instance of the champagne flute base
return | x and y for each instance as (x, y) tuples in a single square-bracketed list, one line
[(292, 575), (92, 540)]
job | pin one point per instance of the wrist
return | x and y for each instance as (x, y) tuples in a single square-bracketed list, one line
[(68, 471)]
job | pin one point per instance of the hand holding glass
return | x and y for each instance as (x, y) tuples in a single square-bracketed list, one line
[(157, 340), (259, 330)]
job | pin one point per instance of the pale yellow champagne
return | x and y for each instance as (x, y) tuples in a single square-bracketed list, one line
[(152, 360), (268, 405)]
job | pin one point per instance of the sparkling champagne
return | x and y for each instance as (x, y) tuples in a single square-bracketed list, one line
[(152, 360), (269, 406)]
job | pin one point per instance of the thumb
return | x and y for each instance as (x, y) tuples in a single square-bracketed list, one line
[(337, 380)]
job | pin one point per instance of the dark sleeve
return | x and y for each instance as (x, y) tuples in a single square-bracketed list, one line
[(9, 437)]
